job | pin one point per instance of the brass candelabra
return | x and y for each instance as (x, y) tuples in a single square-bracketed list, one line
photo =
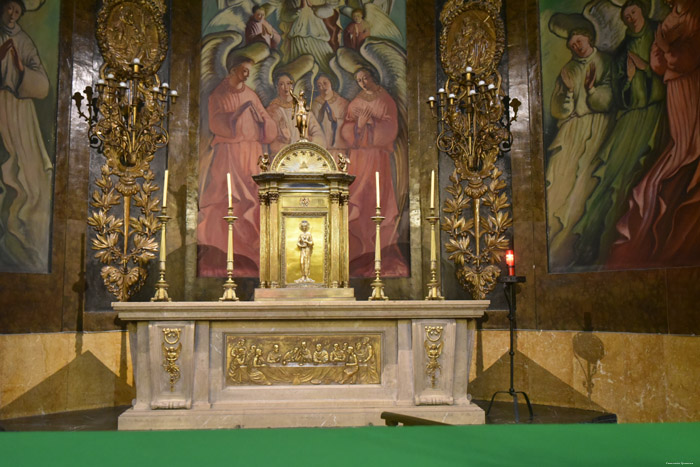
[(473, 129), (378, 283), (127, 113), (230, 285)]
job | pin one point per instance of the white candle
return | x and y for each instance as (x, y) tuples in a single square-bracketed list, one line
[(100, 81), (491, 86), (173, 93), (469, 69), (431, 98), (482, 83), (122, 84), (472, 92), (136, 61), (441, 91), (452, 95), (376, 175), (228, 182), (432, 190), (165, 85), (165, 189), (110, 76)]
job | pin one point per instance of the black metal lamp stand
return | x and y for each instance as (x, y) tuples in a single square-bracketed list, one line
[(509, 289)]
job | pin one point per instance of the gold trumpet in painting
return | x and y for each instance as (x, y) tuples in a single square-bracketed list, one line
[(127, 111), (473, 115)]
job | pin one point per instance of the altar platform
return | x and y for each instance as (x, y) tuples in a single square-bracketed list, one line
[(299, 364)]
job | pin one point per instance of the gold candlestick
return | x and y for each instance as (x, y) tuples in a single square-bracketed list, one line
[(377, 283), (229, 286), (433, 284), (161, 294)]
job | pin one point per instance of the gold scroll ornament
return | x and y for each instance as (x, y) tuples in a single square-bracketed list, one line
[(303, 360), (433, 348), (474, 120), (171, 353)]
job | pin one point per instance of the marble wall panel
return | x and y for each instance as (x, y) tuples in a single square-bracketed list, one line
[(57, 372)]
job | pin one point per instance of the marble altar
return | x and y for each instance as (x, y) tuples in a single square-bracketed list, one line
[(215, 365)]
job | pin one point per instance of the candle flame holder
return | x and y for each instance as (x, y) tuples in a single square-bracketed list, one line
[(230, 285), (378, 283)]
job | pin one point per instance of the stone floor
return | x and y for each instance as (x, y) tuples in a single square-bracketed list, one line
[(106, 419)]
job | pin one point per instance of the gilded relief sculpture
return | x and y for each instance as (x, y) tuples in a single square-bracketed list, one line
[(268, 359), (127, 111), (474, 118)]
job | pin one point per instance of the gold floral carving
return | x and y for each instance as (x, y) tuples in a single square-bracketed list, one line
[(132, 29), (433, 348), (473, 130), (303, 359), (171, 353)]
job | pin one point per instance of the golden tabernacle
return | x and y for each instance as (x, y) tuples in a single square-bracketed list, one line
[(304, 225)]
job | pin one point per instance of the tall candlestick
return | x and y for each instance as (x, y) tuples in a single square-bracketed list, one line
[(432, 190), (165, 189), (376, 175), (230, 197)]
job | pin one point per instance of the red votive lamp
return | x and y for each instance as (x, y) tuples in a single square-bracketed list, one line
[(510, 261)]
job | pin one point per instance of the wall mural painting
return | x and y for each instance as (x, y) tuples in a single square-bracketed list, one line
[(621, 99), (28, 75), (349, 56)]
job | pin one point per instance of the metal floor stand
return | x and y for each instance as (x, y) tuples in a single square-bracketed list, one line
[(509, 289)]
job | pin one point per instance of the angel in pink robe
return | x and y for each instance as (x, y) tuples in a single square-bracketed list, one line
[(661, 227), (370, 129), (240, 125)]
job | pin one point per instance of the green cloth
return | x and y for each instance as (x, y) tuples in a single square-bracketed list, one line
[(489, 445)]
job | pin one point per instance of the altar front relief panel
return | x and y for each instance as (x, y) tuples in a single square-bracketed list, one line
[(292, 364)]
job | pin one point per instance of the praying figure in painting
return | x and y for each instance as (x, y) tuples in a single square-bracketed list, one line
[(370, 129), (660, 228), (306, 246), (259, 30), (26, 171), (639, 136), (330, 108), (582, 103), (239, 123)]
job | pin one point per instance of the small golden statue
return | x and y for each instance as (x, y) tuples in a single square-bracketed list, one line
[(343, 162), (305, 245), (264, 162), (301, 113)]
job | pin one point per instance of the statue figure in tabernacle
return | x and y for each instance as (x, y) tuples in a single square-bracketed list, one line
[(301, 113), (305, 245)]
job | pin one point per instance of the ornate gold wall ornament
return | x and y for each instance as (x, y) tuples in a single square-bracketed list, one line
[(171, 353), (303, 359), (132, 29), (473, 130), (127, 116), (433, 348)]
